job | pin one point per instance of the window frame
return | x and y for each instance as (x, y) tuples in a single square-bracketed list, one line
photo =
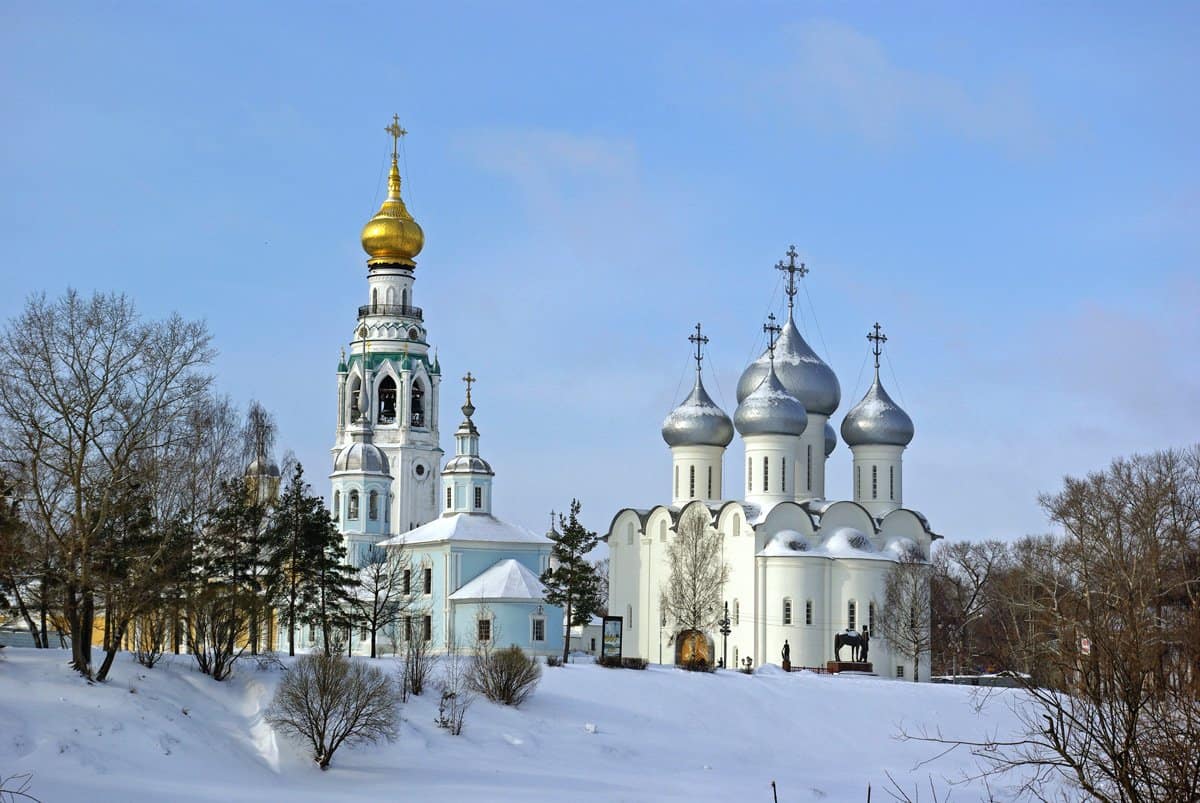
[(787, 611)]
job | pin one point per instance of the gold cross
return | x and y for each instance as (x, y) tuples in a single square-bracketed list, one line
[(396, 131), (469, 379)]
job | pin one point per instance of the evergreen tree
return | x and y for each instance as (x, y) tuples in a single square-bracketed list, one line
[(571, 582), (307, 561), (333, 582)]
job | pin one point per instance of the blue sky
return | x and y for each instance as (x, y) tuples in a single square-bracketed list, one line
[(1014, 196)]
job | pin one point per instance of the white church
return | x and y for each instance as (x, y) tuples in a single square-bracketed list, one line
[(802, 567)]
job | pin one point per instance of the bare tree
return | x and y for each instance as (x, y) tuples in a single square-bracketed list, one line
[(331, 700), (507, 676), (456, 696), (601, 569), (905, 618), (86, 391), (383, 596), (962, 572), (417, 662), (691, 599)]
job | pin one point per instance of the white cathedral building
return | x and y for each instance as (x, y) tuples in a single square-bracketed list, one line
[(802, 568)]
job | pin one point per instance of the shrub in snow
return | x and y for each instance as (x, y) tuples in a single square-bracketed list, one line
[(634, 663), (505, 676), (331, 700), (416, 667), (554, 660), (456, 698)]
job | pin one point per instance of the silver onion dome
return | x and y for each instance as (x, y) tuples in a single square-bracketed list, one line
[(698, 421), (770, 410), (801, 372), (361, 454), (261, 467), (877, 420), (830, 439), (467, 464)]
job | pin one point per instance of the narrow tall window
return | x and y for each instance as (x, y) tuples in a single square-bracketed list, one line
[(676, 482), (787, 610), (766, 473), (858, 482), (851, 615), (408, 582), (783, 474), (408, 628), (900, 671), (691, 482), (539, 629), (373, 505), (449, 497), (749, 473), (478, 497), (483, 630), (427, 580), (891, 482), (404, 298), (808, 612), (355, 399), (871, 618), (710, 493), (737, 613), (629, 615), (874, 482), (387, 401), (337, 505), (352, 511), (809, 485), (374, 298), (418, 404), (427, 627)]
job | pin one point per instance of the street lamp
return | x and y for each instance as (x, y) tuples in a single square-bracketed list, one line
[(725, 631)]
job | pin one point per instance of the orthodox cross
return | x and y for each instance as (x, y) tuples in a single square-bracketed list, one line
[(396, 131), (552, 521), (772, 329), (699, 341), (469, 380), (791, 269), (877, 339)]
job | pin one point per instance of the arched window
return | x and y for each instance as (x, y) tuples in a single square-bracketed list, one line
[(355, 398), (783, 474), (787, 610), (337, 505), (374, 298), (692, 481), (871, 618), (710, 493), (404, 297), (766, 473), (373, 505), (390, 295), (418, 404), (387, 401), (737, 612), (478, 497), (352, 512), (874, 482), (808, 612), (891, 482), (852, 615), (858, 482)]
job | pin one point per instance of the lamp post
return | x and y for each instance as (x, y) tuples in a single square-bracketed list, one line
[(725, 631)]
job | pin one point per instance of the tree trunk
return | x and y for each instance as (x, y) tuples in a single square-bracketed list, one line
[(567, 633), (77, 607), (372, 625), (111, 652)]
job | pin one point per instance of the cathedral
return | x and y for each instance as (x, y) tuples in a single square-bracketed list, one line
[(473, 576), (802, 568)]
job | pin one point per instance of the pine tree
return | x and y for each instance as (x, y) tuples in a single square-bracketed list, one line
[(571, 582)]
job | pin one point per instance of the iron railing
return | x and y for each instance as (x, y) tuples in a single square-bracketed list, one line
[(397, 310)]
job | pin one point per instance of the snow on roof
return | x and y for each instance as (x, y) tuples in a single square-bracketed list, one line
[(467, 527), (843, 542), (505, 579)]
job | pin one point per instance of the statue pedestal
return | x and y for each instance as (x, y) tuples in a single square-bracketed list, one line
[(833, 667)]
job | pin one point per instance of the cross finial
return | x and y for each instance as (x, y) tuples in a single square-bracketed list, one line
[(877, 338), (772, 329), (469, 379), (791, 269), (699, 340), (396, 131), (551, 521)]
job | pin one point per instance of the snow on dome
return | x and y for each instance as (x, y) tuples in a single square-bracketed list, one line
[(506, 579), (877, 420), (847, 542), (901, 547), (698, 421), (785, 542), (770, 410), (802, 373)]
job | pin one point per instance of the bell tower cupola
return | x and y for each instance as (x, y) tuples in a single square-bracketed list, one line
[(467, 477)]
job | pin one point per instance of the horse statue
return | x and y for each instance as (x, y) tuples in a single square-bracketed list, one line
[(857, 642)]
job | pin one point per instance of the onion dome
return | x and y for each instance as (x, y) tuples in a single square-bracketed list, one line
[(466, 459), (770, 410), (830, 439), (392, 236), (361, 455), (261, 467), (698, 421), (877, 420), (802, 373)]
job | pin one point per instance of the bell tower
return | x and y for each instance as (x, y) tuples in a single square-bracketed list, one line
[(389, 380)]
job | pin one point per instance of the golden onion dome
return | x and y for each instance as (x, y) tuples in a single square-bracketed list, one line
[(392, 236)]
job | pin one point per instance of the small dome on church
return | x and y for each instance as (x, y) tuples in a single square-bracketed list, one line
[(770, 410), (361, 456), (262, 468), (830, 439), (801, 372), (698, 421), (877, 420)]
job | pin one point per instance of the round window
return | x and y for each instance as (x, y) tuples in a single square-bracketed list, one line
[(419, 470), (413, 334)]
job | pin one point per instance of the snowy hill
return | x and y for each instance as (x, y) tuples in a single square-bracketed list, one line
[(172, 734)]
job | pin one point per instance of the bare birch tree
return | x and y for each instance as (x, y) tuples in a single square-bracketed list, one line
[(905, 618), (691, 598), (383, 595)]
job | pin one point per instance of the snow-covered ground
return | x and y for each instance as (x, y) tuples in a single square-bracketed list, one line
[(172, 734)]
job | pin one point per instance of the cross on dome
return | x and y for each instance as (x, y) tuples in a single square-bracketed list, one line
[(699, 340), (772, 329), (468, 408), (877, 339), (396, 131), (791, 269)]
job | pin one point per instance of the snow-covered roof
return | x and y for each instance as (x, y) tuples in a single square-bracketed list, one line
[(506, 579), (842, 542), (467, 527)]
